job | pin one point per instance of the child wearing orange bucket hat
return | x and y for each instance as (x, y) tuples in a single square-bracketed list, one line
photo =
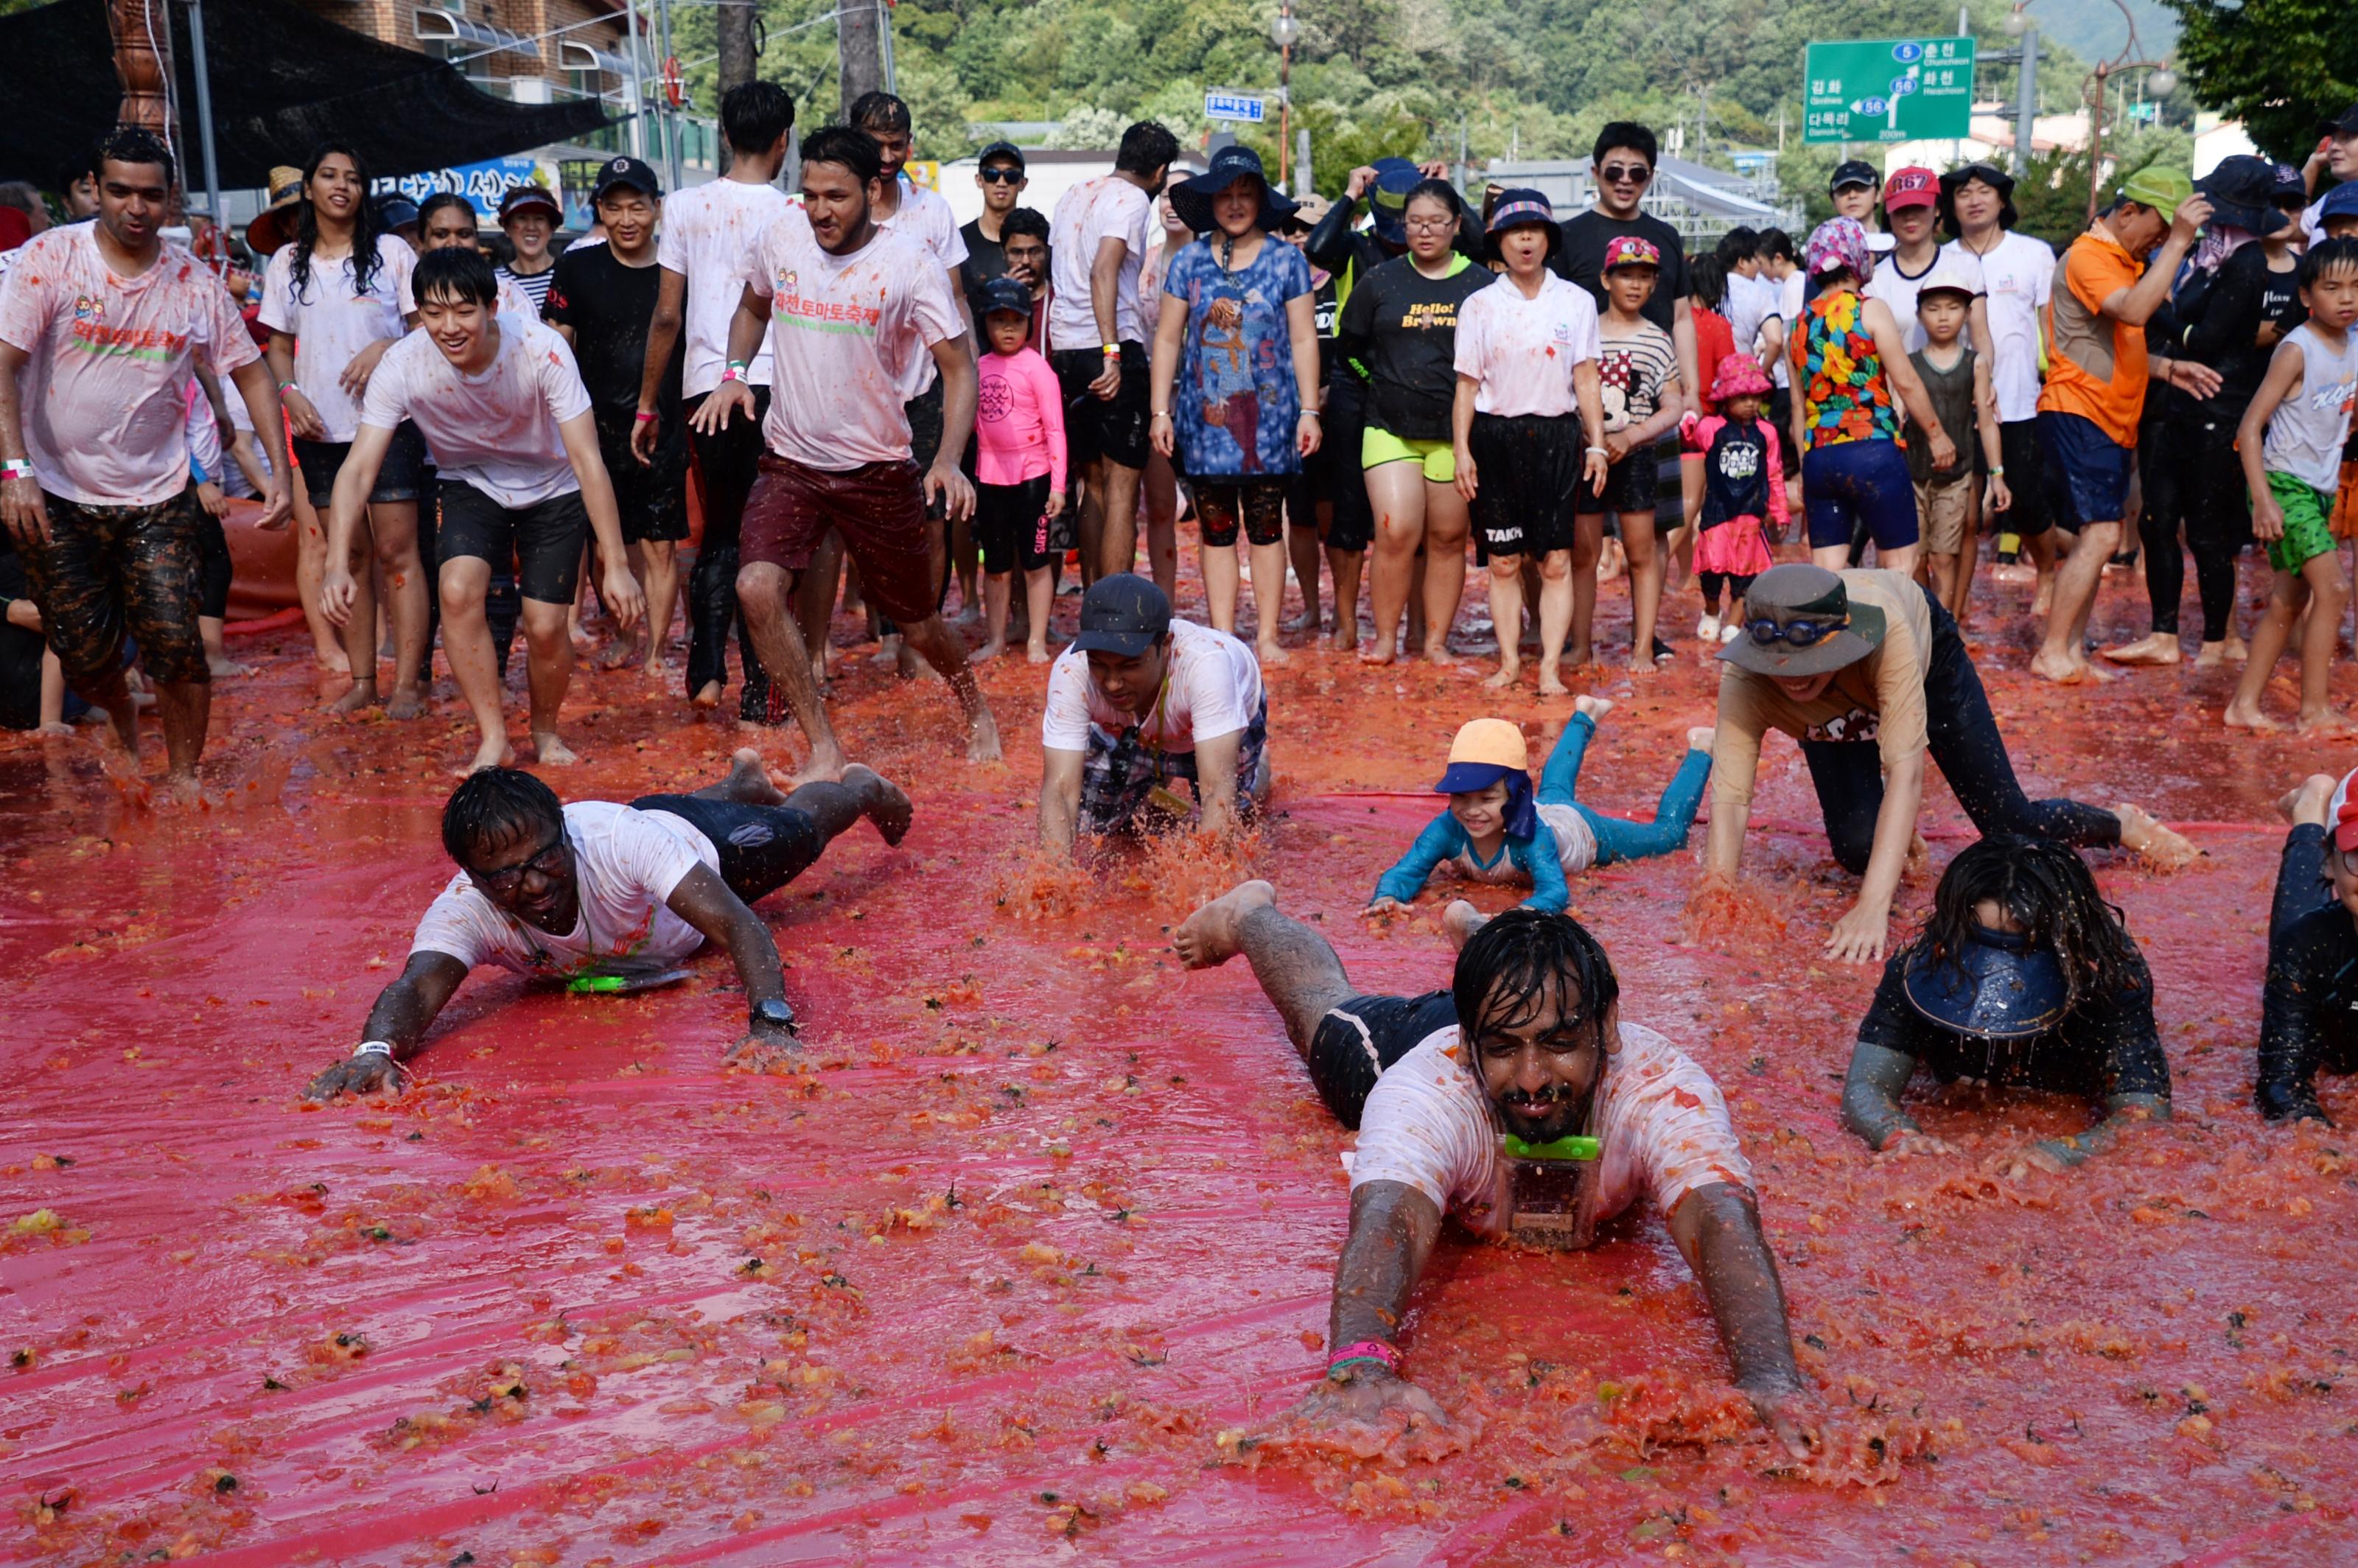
[(1498, 831), (1744, 483)]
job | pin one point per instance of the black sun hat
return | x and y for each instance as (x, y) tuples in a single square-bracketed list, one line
[(1192, 199), (1809, 601)]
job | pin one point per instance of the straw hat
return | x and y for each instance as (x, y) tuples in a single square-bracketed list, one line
[(270, 228)]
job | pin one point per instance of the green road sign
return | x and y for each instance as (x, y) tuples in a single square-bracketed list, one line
[(1888, 90)]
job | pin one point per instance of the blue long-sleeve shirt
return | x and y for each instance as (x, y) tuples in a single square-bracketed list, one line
[(1537, 858)]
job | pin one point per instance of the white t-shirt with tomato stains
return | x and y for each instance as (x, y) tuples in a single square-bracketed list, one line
[(705, 235), (1213, 689), (1428, 1125), (1519, 352), (1106, 208), (332, 320), (845, 334), (107, 363), (497, 430), (626, 863)]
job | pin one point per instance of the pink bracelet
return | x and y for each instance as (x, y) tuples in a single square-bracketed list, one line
[(1365, 1350), (644, 418)]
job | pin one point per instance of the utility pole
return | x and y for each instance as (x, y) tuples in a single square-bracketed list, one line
[(205, 117), (670, 108), (2026, 101), (859, 47), (734, 27)]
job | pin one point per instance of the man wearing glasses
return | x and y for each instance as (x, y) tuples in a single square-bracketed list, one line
[(1867, 670), (1623, 164), (612, 898)]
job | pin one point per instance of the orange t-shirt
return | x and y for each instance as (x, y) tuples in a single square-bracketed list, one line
[(2095, 365)]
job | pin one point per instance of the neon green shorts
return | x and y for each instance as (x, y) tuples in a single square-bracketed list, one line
[(2308, 523), (1439, 458)]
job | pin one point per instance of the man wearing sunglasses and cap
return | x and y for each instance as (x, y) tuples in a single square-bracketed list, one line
[(1869, 674), (2023, 978)]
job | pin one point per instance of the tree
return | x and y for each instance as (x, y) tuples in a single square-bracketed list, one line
[(2279, 66)]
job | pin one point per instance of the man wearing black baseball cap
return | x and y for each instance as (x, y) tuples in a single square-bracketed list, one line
[(603, 298), (1000, 174), (2337, 152), (1138, 704), (1856, 189), (1867, 670)]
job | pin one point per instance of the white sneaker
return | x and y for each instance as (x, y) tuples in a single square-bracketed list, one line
[(1730, 634), (1707, 629)]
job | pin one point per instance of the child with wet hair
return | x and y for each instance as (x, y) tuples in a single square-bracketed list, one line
[(1497, 829)]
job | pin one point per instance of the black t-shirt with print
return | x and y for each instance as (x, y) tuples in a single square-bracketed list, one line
[(1581, 260), (608, 306), (1402, 326)]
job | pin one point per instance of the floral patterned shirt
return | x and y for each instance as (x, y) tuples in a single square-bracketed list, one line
[(1845, 395)]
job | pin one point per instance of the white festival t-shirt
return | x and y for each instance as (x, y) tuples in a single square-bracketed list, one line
[(1428, 1125), (1751, 301), (496, 430), (706, 234), (1521, 350), (331, 321), (1899, 291), (1792, 295), (625, 862), (107, 364), (1211, 689), (925, 217), (845, 334), (1108, 207), (2017, 275)]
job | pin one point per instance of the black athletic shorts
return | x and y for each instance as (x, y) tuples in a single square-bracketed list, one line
[(651, 497), (1632, 485), (1526, 468), (1361, 1037), (2025, 455), (397, 478), (544, 540), (762, 847), (1095, 427), (1011, 524), (1334, 466)]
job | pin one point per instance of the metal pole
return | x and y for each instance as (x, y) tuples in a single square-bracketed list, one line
[(1303, 181), (638, 87), (885, 44), (2096, 137), (670, 114), (205, 118), (2026, 101), (1284, 114)]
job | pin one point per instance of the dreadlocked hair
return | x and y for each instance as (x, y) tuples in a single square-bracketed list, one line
[(2048, 890), (496, 803), (367, 225), (1518, 961)]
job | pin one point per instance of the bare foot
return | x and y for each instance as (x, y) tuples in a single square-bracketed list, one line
[(1700, 738), (614, 656), (2062, 671), (2247, 715), (550, 752), (55, 732), (1596, 708), (824, 767), (708, 695), (1374, 655), (1037, 653), (2238, 651), (882, 803), (490, 754), (990, 650), (2044, 599), (1345, 638), (2013, 573), (1510, 672), (1271, 654), (2163, 849), (226, 668), (1641, 666), (1580, 657), (361, 695), (1552, 682), (887, 651), (657, 671), (2306, 801), (2326, 721), (1208, 937), (750, 782), (2161, 648), (585, 643), (1460, 921), (407, 703), (982, 737), (339, 666), (1308, 623), (2210, 655), (1437, 653), (911, 666)]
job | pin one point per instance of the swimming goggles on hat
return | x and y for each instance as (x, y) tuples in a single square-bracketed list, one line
[(1799, 634)]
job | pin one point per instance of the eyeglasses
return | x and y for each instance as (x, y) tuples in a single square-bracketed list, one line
[(1431, 225), (1002, 176), (1798, 634), (1625, 174), (507, 878)]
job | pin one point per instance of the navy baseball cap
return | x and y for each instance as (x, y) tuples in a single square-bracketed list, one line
[(1998, 988), (1855, 171), (1005, 293), (2341, 201), (626, 171), (1004, 152), (1124, 614)]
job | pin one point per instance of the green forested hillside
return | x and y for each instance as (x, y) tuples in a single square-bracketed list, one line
[(1369, 76)]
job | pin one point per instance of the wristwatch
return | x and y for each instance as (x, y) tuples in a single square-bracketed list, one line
[(772, 1015)]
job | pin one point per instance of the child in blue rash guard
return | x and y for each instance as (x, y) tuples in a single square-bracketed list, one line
[(1498, 831)]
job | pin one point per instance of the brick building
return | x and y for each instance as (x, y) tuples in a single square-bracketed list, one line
[(511, 48)]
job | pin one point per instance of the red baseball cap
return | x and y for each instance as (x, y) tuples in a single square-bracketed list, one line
[(1629, 250), (2342, 815), (1911, 186)]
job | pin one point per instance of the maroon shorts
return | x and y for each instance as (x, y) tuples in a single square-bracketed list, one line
[(880, 511)]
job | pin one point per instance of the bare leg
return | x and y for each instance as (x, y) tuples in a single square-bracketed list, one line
[(548, 670), (996, 587), (185, 708), (1344, 564), (764, 593), (395, 524), (1302, 554), (1040, 601), (1118, 544), (1396, 490), (466, 644), (2064, 656), (962, 560), (1587, 545), (1507, 617), (213, 630), (310, 571), (946, 651), (1269, 600), (814, 592), (658, 564), (1158, 502), (2285, 601), (1297, 969), (1645, 587), (2327, 594), (2042, 548), (1556, 578), (1089, 532), (359, 629), (1220, 576), (1459, 921), (833, 808), (1446, 524)]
